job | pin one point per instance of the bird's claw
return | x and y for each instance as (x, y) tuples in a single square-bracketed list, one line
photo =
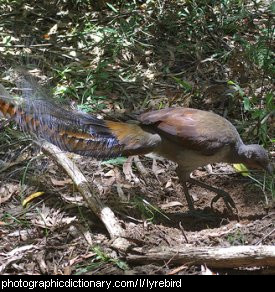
[(229, 202)]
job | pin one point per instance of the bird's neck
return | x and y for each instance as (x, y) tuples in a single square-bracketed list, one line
[(238, 153), (241, 153)]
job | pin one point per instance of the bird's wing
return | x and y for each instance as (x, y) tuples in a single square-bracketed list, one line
[(194, 129)]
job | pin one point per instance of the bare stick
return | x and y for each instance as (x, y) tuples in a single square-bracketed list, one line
[(217, 257), (105, 214)]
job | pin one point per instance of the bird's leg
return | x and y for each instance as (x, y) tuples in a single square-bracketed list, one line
[(220, 194), (189, 199)]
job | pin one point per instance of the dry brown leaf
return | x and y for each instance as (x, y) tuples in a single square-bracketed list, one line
[(110, 173), (127, 168), (79, 259), (7, 191), (61, 183), (52, 218), (140, 166), (178, 269), (75, 199), (171, 205), (156, 169), (67, 270), (168, 184), (206, 271), (128, 171)]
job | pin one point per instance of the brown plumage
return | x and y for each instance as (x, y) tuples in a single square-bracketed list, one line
[(189, 137)]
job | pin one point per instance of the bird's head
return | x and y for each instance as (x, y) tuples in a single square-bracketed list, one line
[(255, 156)]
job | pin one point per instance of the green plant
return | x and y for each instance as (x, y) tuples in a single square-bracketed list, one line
[(260, 111), (147, 210), (11, 220), (236, 238), (101, 258), (266, 184)]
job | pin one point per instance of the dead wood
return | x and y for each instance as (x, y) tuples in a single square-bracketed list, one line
[(104, 213), (216, 257)]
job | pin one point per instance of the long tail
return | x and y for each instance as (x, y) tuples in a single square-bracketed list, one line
[(77, 132)]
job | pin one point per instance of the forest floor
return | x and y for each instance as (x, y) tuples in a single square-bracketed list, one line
[(62, 237), (131, 58)]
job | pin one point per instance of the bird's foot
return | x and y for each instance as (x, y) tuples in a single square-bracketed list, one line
[(229, 202)]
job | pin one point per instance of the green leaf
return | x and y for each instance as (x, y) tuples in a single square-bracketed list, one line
[(230, 82), (115, 161), (246, 104), (112, 7), (187, 86), (122, 265), (241, 168), (269, 100)]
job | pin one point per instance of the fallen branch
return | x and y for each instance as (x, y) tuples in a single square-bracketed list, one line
[(215, 257), (104, 213), (14, 255)]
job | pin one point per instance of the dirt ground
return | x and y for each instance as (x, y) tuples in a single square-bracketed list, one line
[(142, 58), (57, 234)]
